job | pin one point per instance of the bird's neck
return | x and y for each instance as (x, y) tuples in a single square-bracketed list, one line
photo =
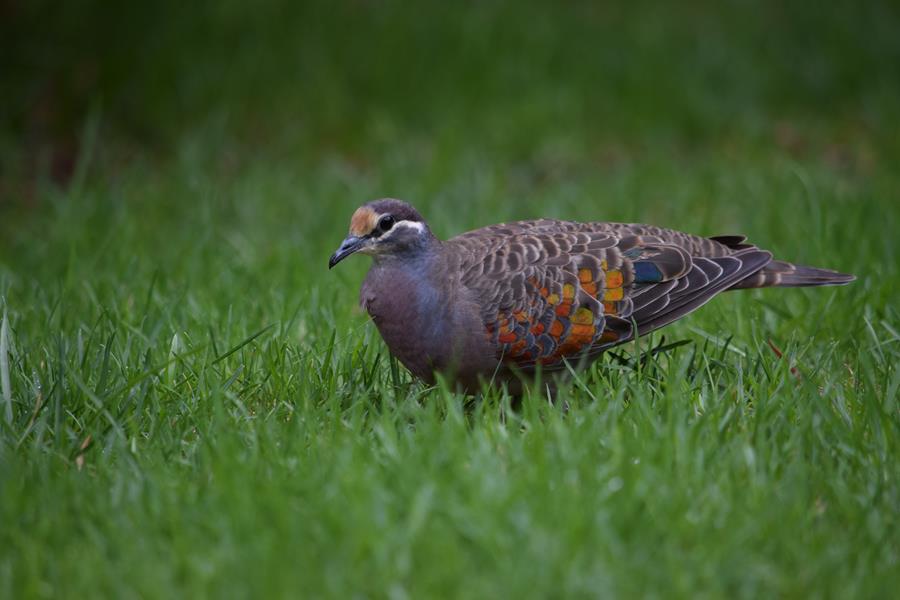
[(423, 255)]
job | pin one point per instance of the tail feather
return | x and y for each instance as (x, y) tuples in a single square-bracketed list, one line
[(779, 273)]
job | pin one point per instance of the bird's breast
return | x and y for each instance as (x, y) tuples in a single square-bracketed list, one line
[(408, 317), (426, 326)]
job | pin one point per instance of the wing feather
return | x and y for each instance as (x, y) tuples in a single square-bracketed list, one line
[(554, 290)]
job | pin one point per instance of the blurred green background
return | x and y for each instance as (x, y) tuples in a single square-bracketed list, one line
[(197, 407), (309, 81)]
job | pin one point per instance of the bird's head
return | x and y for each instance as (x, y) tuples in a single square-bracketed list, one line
[(384, 228)]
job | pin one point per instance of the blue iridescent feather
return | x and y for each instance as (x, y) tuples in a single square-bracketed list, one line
[(647, 272)]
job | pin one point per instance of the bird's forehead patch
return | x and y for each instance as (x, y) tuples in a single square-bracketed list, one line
[(363, 221)]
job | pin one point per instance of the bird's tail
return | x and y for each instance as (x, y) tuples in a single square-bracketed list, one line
[(778, 273)]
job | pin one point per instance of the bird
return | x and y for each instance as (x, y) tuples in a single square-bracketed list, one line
[(499, 304)]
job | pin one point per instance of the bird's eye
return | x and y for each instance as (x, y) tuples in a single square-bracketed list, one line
[(386, 223)]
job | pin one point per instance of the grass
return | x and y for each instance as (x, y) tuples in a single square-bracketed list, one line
[(196, 407)]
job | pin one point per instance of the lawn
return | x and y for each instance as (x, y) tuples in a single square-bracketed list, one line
[(193, 405)]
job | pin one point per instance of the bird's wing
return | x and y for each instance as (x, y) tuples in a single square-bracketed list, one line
[(554, 290)]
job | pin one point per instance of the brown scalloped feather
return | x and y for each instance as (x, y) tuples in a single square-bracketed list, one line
[(553, 290)]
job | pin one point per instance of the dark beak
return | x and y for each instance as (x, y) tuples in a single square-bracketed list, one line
[(348, 247)]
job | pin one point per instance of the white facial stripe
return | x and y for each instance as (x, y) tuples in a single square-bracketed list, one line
[(420, 227)]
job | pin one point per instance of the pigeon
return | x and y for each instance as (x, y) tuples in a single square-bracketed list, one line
[(499, 304)]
